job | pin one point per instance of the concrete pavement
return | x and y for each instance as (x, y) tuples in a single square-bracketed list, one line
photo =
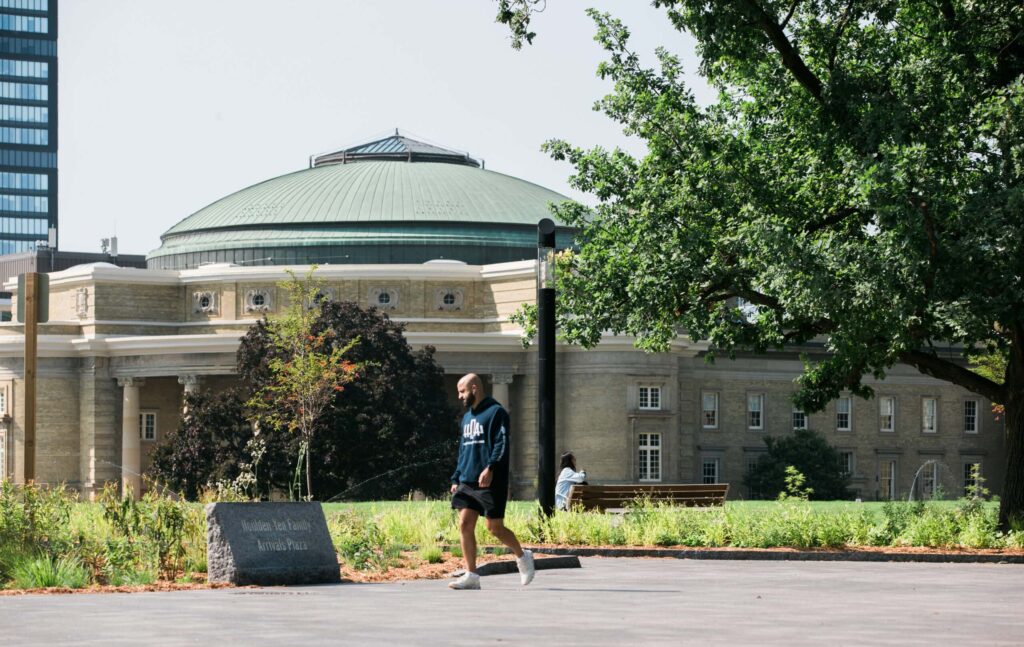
[(610, 601)]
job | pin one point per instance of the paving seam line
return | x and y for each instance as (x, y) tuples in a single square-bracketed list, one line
[(779, 555)]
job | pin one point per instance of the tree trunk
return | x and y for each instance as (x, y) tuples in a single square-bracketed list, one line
[(309, 477), (296, 484), (1011, 503)]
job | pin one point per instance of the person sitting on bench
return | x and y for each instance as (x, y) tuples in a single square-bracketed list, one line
[(566, 478)]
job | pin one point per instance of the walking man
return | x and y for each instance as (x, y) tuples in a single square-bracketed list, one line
[(480, 481)]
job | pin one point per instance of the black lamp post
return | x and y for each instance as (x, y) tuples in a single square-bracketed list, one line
[(546, 364)]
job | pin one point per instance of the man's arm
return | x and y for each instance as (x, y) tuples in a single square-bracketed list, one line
[(498, 432), (499, 437)]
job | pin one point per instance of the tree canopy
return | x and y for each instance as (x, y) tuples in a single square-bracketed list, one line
[(858, 181)]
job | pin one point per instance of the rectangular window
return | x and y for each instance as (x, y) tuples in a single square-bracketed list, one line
[(929, 415), (31, 136), (709, 470), (709, 410), (35, 204), (972, 477), (799, 419), (649, 457), (887, 479), (36, 114), (755, 411), (29, 24), (36, 69), (929, 481), (26, 91), (843, 406), (3, 401), (28, 181), (970, 416), (847, 462), (887, 413), (32, 5), (650, 398), (751, 461), (147, 425)]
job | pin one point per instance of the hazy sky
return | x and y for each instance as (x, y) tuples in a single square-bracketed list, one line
[(168, 105)]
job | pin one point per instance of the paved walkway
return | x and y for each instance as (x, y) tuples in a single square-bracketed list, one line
[(607, 602)]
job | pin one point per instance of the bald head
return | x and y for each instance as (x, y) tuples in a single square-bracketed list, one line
[(471, 389)]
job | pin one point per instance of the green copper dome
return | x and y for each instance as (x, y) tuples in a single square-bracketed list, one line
[(395, 200)]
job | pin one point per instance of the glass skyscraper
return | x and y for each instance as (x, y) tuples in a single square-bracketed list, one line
[(28, 123)]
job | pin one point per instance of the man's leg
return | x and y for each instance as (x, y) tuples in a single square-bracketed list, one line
[(506, 536), (524, 558), (467, 530)]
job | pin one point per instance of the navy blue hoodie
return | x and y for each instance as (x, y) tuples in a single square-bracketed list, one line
[(484, 443)]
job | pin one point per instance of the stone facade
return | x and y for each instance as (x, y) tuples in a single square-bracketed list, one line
[(127, 338)]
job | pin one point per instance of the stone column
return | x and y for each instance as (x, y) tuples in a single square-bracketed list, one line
[(191, 384), (499, 388), (499, 391), (131, 448)]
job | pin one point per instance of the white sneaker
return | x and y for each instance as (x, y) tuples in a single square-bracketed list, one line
[(526, 568), (467, 581)]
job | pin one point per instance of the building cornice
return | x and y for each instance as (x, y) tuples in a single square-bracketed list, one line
[(225, 273), (138, 345)]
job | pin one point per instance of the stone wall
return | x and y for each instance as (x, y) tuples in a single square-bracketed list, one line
[(99, 434)]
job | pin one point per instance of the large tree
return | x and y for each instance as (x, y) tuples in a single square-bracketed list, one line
[(390, 431), (859, 179)]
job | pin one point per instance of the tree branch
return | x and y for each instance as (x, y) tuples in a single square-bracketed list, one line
[(932, 365), (792, 9), (833, 218), (809, 329), (790, 57), (933, 249), (844, 20)]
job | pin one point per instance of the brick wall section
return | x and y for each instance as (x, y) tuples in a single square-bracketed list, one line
[(138, 302), (57, 438), (502, 297), (735, 442)]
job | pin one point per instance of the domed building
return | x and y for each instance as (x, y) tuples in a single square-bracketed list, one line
[(448, 248), (394, 200)]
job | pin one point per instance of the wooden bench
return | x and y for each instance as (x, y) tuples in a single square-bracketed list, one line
[(602, 497)]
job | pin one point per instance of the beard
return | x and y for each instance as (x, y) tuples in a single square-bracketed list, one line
[(469, 400)]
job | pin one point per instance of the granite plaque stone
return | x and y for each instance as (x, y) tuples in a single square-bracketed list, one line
[(269, 543)]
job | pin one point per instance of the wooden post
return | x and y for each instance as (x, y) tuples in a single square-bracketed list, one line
[(31, 317)]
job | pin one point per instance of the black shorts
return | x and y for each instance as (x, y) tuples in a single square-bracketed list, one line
[(488, 501)]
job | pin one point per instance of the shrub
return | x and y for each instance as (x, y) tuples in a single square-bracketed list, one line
[(156, 525), (806, 451), (45, 571), (208, 446), (360, 542), (35, 517), (431, 554)]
